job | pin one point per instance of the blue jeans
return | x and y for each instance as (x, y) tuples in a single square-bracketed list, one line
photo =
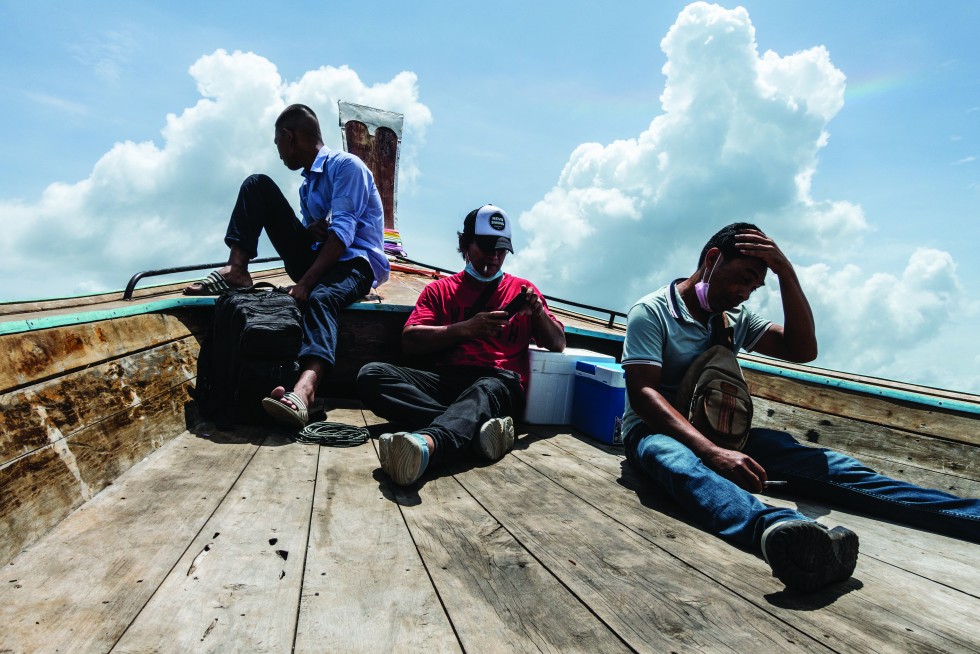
[(824, 475), (262, 206)]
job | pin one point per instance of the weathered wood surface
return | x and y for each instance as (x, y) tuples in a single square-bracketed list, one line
[(557, 547), (34, 356), (931, 613), (497, 594), (654, 601), (237, 587), (65, 439), (875, 410), (366, 588), (904, 449), (79, 588)]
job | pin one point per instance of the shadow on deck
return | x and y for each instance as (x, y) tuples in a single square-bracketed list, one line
[(248, 542)]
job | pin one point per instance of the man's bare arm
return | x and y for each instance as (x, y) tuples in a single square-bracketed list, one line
[(424, 339), (796, 340), (547, 333), (642, 384)]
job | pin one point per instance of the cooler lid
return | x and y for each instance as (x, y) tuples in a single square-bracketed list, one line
[(610, 374)]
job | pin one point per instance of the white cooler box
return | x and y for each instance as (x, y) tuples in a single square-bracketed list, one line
[(551, 387)]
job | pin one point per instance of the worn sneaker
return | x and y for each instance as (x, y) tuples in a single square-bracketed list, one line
[(403, 456), (384, 444), (806, 556), (496, 437)]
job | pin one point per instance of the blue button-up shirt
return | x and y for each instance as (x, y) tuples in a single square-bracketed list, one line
[(340, 188)]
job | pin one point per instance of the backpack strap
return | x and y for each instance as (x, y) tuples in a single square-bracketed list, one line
[(722, 333), (484, 297)]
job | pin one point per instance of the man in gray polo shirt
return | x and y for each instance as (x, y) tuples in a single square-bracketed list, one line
[(665, 332)]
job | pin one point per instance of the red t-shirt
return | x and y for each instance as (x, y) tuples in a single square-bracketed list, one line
[(450, 300)]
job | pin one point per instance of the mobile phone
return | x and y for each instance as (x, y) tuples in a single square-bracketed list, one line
[(515, 305)]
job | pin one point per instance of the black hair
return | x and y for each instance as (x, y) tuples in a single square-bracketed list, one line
[(468, 235), (724, 240), (300, 118)]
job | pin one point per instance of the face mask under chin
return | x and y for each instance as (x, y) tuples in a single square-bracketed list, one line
[(701, 288), (472, 272)]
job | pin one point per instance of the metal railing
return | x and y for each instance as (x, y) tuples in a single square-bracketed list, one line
[(612, 314), (131, 286)]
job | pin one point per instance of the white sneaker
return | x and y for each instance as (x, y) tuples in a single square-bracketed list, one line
[(404, 456), (496, 437)]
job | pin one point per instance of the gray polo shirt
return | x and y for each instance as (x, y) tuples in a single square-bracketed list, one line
[(660, 331)]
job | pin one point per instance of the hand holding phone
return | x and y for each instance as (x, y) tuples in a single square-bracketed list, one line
[(518, 303)]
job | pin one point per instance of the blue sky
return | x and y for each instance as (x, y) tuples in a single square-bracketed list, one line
[(501, 98)]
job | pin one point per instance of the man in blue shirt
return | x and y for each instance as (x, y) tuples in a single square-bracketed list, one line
[(334, 255), (665, 333)]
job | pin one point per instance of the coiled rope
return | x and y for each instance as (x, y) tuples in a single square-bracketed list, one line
[(332, 434)]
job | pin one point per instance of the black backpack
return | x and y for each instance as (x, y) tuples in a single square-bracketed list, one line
[(713, 394), (252, 347)]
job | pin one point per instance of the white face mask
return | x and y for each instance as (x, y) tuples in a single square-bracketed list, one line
[(470, 270), (701, 288)]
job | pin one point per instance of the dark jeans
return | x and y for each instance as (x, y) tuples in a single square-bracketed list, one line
[(824, 475), (261, 205), (449, 404)]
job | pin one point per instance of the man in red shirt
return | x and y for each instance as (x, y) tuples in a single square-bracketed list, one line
[(475, 326)]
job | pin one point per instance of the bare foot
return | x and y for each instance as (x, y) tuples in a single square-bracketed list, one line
[(278, 393)]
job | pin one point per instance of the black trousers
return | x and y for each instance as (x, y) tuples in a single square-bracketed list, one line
[(449, 404), (261, 205)]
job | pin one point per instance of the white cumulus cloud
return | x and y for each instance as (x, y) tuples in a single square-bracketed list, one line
[(736, 139), (158, 204)]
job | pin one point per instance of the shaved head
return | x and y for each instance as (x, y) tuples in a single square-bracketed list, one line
[(299, 118)]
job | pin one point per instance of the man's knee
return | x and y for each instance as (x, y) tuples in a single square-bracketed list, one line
[(499, 393), (257, 181), (660, 452), (371, 372)]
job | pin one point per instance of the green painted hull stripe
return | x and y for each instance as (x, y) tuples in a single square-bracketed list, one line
[(822, 380), (62, 320), (808, 377)]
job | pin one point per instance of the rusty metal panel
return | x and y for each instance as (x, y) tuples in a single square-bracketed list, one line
[(375, 135)]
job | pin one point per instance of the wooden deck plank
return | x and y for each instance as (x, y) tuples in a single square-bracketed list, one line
[(498, 596), (948, 561), (365, 588), (826, 430), (35, 416), (650, 598), (43, 353), (866, 408), (40, 489), (883, 608), (237, 586), (78, 589)]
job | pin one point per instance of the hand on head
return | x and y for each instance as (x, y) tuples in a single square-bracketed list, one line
[(754, 243)]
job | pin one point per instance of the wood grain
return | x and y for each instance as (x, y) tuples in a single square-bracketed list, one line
[(237, 586), (365, 587), (40, 489), (498, 596), (653, 601), (79, 588), (43, 413), (860, 615), (949, 425), (40, 354), (859, 438)]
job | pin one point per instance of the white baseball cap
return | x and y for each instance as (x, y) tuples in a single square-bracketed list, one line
[(491, 227)]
